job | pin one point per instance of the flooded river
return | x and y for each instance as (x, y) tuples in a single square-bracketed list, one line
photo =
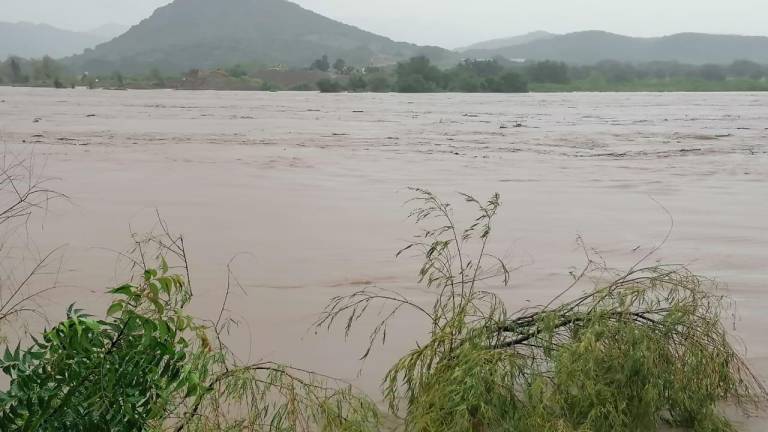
[(306, 192)]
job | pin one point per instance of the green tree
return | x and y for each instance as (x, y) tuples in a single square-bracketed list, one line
[(156, 78), (712, 72), (321, 64), (616, 72), (548, 71), (340, 66), (642, 347), (15, 67), (49, 67), (150, 366), (746, 69), (117, 77), (510, 82), (357, 83), (418, 75), (482, 68), (379, 84)]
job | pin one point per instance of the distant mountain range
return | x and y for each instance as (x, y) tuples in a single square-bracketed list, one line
[(495, 44), (206, 34), (593, 46), (37, 40)]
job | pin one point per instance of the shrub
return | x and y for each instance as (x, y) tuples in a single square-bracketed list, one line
[(379, 84), (510, 82), (415, 84), (418, 75), (150, 366), (646, 348), (326, 85), (357, 83), (547, 71), (270, 87)]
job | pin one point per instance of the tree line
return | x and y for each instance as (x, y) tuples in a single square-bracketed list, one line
[(498, 75), (419, 75)]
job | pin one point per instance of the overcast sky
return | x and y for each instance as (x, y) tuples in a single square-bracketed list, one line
[(451, 23)]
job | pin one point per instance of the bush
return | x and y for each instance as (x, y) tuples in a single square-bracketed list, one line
[(418, 75), (415, 84), (712, 72), (646, 348), (357, 83), (379, 84), (270, 87), (466, 83), (150, 366), (547, 72), (322, 64), (326, 85), (510, 82)]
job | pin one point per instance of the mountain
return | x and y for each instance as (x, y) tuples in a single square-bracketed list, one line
[(494, 44), (109, 31), (593, 46), (36, 40), (206, 34)]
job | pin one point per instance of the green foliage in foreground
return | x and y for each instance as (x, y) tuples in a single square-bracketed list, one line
[(149, 366), (627, 355), (640, 348), (82, 369)]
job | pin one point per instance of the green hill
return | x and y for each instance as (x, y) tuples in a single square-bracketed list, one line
[(206, 34), (593, 46)]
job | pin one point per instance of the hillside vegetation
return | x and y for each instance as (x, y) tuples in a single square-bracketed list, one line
[(203, 34)]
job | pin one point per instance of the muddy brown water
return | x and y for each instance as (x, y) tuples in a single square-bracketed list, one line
[(307, 192)]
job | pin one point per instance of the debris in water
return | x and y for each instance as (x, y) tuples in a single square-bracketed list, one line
[(37, 120)]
